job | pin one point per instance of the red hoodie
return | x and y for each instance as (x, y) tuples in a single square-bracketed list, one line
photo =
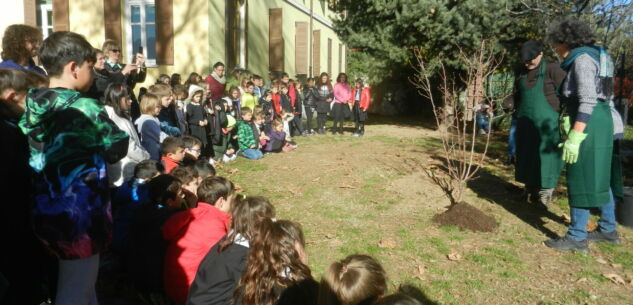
[(365, 97), (190, 234), (169, 164)]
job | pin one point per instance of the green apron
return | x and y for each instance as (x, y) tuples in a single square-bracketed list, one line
[(539, 160), (589, 179)]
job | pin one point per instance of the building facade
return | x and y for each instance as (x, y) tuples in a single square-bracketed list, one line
[(183, 36)]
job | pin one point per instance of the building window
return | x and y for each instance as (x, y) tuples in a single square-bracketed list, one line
[(236, 12), (141, 29), (45, 18)]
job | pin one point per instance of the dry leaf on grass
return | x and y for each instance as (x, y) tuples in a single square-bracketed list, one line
[(347, 187), (329, 236), (233, 171), (591, 225), (615, 278), (456, 257), (601, 260), (616, 265), (387, 243), (316, 179), (581, 280), (420, 273)]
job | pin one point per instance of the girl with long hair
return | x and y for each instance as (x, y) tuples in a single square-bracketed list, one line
[(222, 267), (325, 94), (355, 280), (276, 270), (117, 104)]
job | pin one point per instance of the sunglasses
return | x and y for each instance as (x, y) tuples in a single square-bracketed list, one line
[(115, 50)]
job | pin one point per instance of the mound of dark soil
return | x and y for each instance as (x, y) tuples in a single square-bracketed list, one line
[(466, 216)]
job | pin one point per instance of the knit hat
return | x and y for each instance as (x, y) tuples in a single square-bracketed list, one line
[(230, 121), (530, 50), (193, 89)]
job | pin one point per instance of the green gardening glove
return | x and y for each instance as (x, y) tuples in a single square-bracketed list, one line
[(564, 125), (571, 146)]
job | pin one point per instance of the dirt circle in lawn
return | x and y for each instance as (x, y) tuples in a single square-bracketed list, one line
[(466, 216)]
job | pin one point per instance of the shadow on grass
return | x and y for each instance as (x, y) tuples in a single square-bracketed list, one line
[(417, 294), (424, 121), (508, 196)]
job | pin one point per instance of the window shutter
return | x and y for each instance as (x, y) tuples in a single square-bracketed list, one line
[(30, 13), (112, 19), (60, 16), (340, 58), (329, 56), (275, 41), (301, 47), (316, 52), (165, 32)]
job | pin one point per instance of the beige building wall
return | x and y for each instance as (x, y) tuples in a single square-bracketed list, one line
[(12, 12), (86, 18)]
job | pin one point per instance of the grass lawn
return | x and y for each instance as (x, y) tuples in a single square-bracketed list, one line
[(369, 195)]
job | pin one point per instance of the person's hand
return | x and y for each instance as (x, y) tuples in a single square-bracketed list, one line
[(128, 68), (253, 146), (140, 59), (571, 146), (328, 99)]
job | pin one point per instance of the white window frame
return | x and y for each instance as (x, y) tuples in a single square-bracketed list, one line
[(43, 11), (149, 62)]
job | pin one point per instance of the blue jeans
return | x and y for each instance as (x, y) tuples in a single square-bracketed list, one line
[(482, 123), (252, 153), (580, 216), (512, 138)]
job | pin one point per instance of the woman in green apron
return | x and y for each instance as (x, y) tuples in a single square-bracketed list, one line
[(588, 149), (538, 159)]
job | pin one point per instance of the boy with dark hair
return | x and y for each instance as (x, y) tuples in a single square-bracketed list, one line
[(188, 176), (147, 248), (71, 138), (173, 152), (204, 168), (245, 138), (129, 198), (193, 232), (193, 149)]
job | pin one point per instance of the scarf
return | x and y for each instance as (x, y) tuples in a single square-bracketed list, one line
[(221, 80), (598, 53)]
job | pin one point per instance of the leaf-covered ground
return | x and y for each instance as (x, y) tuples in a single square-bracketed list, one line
[(368, 195)]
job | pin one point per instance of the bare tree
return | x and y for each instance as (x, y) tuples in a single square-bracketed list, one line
[(455, 117)]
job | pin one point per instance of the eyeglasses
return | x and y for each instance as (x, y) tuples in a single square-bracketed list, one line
[(194, 149), (116, 51)]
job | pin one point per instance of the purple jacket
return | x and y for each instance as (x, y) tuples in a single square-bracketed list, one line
[(276, 142), (10, 64)]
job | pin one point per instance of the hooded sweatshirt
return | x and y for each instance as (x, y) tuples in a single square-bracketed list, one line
[(151, 136), (71, 138)]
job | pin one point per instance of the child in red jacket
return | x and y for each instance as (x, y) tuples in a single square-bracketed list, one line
[(191, 233), (361, 97)]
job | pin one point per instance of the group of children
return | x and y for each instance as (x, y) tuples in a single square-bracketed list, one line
[(181, 234), (251, 120)]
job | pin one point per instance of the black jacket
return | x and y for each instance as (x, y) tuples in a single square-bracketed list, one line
[(286, 104), (218, 275), (310, 97)]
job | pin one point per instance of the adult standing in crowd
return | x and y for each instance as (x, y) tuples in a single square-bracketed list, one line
[(342, 97), (101, 79), (128, 74), (20, 44), (538, 159), (324, 98), (217, 81), (587, 93)]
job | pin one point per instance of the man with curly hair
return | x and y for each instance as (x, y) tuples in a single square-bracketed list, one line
[(20, 44)]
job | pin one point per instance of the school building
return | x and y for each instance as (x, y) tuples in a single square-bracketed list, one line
[(183, 36)]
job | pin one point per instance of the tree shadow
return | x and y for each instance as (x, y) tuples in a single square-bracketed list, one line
[(508, 196)]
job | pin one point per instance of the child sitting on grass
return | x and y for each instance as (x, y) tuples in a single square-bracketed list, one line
[(277, 141), (193, 232), (222, 267), (204, 169), (193, 150), (71, 138), (357, 279), (189, 178), (173, 151), (249, 146), (146, 253)]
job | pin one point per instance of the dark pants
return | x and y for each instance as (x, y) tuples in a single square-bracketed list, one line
[(321, 119), (339, 116), (359, 118), (309, 114), (296, 124)]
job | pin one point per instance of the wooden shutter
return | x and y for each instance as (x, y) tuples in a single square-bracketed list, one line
[(165, 32), (329, 56), (340, 58), (112, 19), (301, 47), (30, 13), (275, 41), (60, 16), (316, 52)]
